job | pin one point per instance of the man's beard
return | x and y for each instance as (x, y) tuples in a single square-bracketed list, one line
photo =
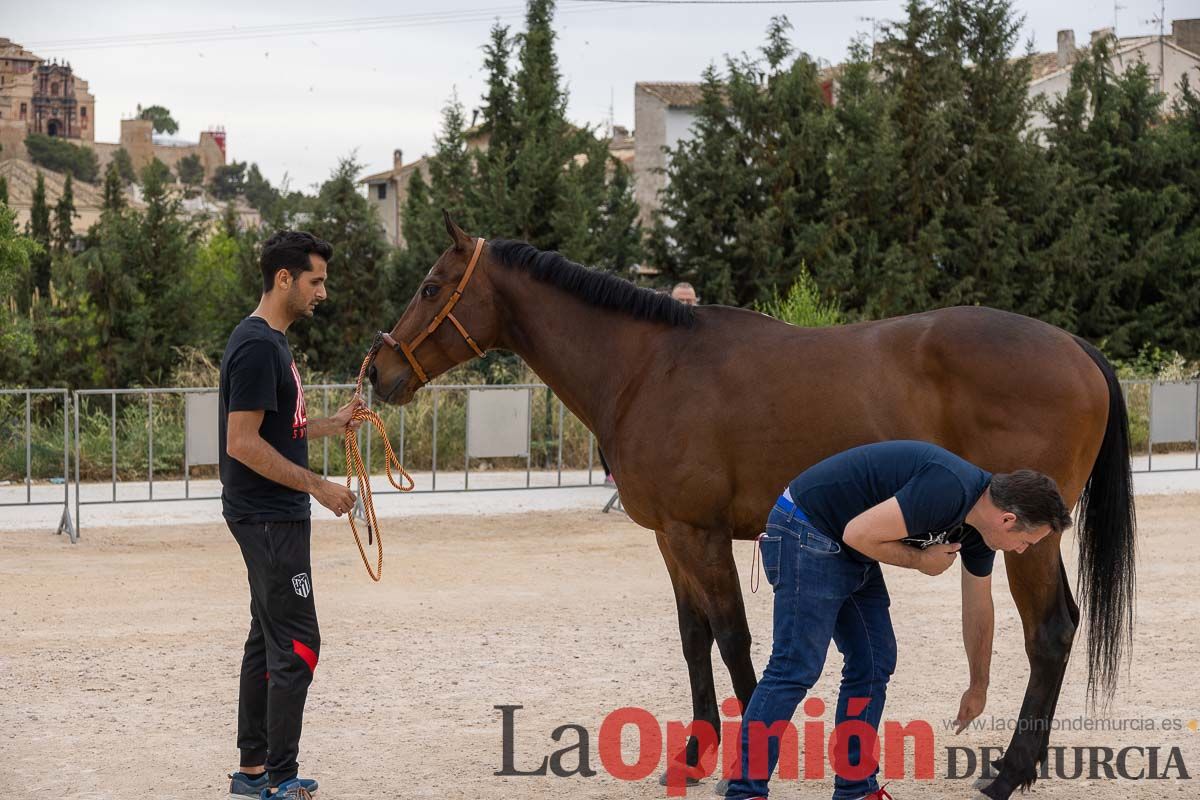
[(301, 309)]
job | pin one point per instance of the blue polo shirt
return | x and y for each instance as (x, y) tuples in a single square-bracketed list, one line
[(935, 489)]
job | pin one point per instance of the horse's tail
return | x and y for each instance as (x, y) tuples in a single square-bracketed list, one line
[(1107, 530)]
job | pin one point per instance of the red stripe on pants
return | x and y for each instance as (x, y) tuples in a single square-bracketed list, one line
[(305, 652)]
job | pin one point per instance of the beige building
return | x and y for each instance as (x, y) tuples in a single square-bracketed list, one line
[(37, 96), (138, 139), (47, 97), (663, 114), (1168, 57), (41, 97), (388, 190)]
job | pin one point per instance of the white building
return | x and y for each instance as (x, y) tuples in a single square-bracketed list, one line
[(1167, 57)]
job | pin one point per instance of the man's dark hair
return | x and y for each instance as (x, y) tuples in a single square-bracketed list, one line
[(290, 250), (1033, 497)]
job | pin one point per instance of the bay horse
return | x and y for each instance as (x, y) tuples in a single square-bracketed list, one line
[(706, 413)]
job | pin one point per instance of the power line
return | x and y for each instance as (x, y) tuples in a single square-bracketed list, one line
[(730, 2), (311, 29)]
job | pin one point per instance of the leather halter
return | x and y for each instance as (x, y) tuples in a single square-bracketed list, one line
[(409, 350)]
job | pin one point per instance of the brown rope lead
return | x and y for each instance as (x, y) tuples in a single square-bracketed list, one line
[(355, 468)]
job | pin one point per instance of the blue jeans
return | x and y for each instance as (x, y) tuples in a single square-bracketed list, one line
[(821, 593)]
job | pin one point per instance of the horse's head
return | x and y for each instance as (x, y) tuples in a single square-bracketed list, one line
[(451, 319)]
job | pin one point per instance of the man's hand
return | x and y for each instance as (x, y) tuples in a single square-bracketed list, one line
[(334, 496), (971, 706), (342, 419), (937, 558)]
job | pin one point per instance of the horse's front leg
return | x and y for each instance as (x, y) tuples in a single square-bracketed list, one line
[(709, 599)]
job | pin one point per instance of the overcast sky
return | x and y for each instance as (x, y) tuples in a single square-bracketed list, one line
[(335, 83)]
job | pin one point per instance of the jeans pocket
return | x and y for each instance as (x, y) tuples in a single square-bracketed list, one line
[(770, 545), (819, 544)]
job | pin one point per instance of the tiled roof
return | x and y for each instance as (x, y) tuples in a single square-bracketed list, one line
[(389, 174), (1044, 64), (676, 95)]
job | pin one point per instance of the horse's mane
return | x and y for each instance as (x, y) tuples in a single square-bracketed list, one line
[(593, 286)]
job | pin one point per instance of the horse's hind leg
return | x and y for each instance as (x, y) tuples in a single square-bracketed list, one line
[(1038, 583), (709, 599)]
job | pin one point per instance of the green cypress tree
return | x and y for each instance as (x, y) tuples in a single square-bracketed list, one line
[(924, 77), (124, 163), (707, 182), (114, 191), (540, 178), (619, 239), (744, 205), (862, 211), (450, 171), (39, 231), (1113, 240), (992, 236), (543, 142), (358, 277), (162, 247), (494, 175), (1176, 310), (64, 214), (498, 100), (18, 344)]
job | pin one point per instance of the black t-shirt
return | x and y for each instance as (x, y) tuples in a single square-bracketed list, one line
[(259, 374), (935, 489)]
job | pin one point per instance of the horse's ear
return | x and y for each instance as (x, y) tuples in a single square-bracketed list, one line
[(462, 242)]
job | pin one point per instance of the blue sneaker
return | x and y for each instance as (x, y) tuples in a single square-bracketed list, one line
[(295, 789), (246, 786)]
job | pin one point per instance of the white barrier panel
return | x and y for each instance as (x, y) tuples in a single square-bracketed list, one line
[(1173, 417), (498, 423), (202, 421)]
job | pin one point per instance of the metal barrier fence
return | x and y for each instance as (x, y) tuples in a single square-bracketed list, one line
[(190, 414), (1164, 426), (65, 523), (1164, 416)]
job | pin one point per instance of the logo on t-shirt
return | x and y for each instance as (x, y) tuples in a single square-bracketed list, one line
[(300, 414)]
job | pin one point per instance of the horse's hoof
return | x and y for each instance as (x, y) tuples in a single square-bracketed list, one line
[(721, 788), (983, 783), (662, 780)]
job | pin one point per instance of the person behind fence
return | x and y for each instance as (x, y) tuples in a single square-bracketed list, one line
[(266, 484), (905, 503)]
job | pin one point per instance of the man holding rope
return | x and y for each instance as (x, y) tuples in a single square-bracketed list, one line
[(905, 503), (266, 484)]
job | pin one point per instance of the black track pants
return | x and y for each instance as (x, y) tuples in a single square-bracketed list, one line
[(283, 645)]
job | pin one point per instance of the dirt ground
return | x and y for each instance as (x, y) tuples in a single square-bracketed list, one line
[(120, 656)]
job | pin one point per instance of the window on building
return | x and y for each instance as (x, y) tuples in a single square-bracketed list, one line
[(381, 191), (83, 112), (24, 110), (54, 89)]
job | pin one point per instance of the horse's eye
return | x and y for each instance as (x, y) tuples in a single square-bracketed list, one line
[(430, 291)]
